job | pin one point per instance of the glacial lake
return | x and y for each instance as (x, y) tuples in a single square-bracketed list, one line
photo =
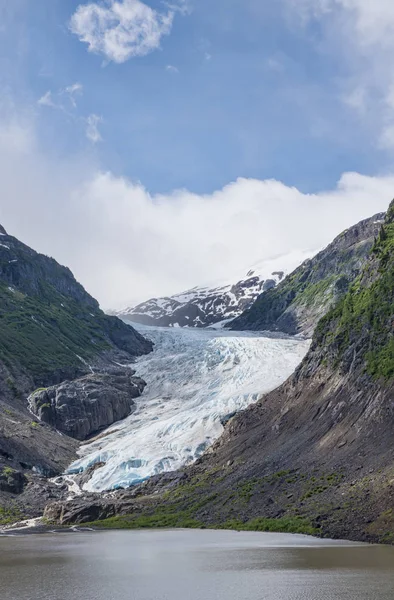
[(191, 565)]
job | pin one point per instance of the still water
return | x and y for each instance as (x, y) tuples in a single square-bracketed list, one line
[(191, 565)]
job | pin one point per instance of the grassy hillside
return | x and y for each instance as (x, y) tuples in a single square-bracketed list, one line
[(49, 325)]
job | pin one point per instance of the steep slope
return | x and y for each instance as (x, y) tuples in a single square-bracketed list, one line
[(317, 454), (49, 326), (51, 330), (319, 448), (208, 305), (298, 302)]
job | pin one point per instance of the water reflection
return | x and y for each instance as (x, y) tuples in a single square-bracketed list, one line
[(192, 565)]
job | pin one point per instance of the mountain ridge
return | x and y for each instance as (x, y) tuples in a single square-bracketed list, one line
[(303, 297), (215, 303), (314, 456)]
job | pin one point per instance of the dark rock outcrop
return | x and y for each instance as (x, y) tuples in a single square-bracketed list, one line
[(12, 481), (86, 405), (52, 330), (80, 511), (303, 297)]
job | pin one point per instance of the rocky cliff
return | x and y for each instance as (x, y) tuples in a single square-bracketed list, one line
[(86, 405), (314, 456), (53, 332), (304, 296)]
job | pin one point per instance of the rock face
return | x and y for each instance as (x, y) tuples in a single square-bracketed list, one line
[(12, 481), (86, 405), (52, 330), (207, 306), (301, 299)]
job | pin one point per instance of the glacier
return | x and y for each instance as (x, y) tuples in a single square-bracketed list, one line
[(196, 379)]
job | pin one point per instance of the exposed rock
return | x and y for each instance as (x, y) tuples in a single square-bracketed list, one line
[(303, 297), (84, 406), (204, 306), (12, 481), (79, 511)]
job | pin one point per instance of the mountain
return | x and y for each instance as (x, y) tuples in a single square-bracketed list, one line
[(316, 455), (303, 297), (53, 333), (210, 305)]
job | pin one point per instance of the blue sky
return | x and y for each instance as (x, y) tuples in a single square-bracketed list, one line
[(252, 97), (192, 96)]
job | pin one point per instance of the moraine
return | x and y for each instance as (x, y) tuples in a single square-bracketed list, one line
[(196, 380)]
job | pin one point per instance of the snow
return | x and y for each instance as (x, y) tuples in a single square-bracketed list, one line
[(220, 325), (195, 379), (4, 246), (223, 299)]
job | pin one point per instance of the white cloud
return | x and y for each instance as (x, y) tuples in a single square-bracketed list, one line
[(182, 6), (56, 99), (128, 244), (46, 100), (121, 29), (370, 19), (361, 34), (172, 69), (92, 131), (72, 91)]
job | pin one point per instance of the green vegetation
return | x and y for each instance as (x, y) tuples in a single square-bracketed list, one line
[(319, 293), (310, 290), (188, 504), (8, 412), (7, 471), (159, 519), (43, 335), (49, 325), (365, 316), (10, 515), (182, 520)]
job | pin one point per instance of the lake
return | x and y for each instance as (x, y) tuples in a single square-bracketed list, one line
[(191, 565)]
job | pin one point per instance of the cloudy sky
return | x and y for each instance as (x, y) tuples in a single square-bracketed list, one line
[(152, 146)]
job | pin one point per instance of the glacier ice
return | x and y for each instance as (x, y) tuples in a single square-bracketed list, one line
[(196, 378)]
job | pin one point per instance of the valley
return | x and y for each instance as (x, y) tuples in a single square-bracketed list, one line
[(214, 427), (198, 380)]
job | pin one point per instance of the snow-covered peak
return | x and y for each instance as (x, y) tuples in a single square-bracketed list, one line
[(207, 305)]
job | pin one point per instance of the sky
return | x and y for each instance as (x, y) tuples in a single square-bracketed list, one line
[(153, 146)]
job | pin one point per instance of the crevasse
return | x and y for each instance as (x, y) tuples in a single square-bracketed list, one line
[(195, 379)]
